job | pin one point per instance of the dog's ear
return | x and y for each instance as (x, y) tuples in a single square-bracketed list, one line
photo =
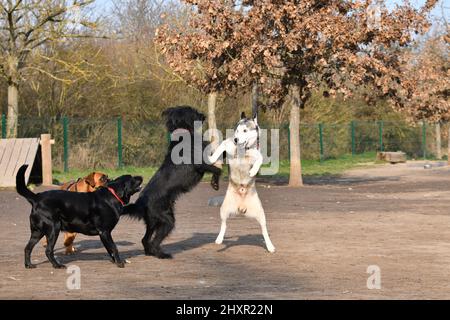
[(90, 179), (243, 116), (255, 118), (166, 113)]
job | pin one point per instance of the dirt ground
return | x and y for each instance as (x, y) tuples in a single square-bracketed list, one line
[(326, 235)]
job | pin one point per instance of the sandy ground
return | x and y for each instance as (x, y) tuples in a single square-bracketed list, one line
[(326, 235)]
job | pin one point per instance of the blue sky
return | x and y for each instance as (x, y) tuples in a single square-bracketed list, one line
[(103, 6)]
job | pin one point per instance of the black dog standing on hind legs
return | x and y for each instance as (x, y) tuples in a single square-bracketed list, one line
[(156, 202)]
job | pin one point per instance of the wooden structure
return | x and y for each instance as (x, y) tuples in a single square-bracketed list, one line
[(46, 150), (16, 152), (392, 157), (13, 154)]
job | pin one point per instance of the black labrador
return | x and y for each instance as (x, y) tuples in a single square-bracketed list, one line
[(95, 213)]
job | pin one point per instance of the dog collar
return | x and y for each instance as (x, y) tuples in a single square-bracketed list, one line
[(115, 195)]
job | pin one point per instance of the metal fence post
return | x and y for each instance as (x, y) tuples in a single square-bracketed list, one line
[(3, 126), (352, 125), (119, 143), (66, 143), (424, 139), (321, 141), (380, 129)]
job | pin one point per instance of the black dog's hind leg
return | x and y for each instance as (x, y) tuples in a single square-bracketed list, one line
[(52, 235), (146, 240), (36, 236), (108, 249), (110, 246), (163, 229)]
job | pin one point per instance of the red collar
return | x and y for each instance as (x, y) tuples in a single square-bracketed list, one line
[(115, 195)]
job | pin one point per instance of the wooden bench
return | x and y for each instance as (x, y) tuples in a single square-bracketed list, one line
[(392, 157)]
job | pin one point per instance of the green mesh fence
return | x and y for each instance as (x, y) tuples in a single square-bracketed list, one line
[(109, 143)]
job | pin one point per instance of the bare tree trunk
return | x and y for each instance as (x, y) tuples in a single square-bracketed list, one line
[(212, 125), (295, 177), (448, 150), (255, 99), (13, 110), (438, 141), (212, 103)]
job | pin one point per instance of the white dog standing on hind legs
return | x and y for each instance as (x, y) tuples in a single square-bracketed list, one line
[(244, 160)]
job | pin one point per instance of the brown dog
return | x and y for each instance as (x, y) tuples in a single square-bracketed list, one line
[(88, 184)]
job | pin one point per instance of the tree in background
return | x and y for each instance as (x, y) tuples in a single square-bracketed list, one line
[(292, 48), (125, 75), (209, 51), (426, 73), (137, 57), (27, 26), (122, 75)]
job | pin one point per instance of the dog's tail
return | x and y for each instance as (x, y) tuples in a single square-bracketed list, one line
[(134, 211), (21, 186)]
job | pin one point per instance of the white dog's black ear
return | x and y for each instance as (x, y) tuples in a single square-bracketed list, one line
[(255, 118), (243, 116)]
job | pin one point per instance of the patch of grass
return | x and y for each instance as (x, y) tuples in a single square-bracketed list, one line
[(330, 166), (146, 173), (310, 168)]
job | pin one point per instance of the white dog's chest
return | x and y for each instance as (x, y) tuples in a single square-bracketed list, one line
[(240, 168)]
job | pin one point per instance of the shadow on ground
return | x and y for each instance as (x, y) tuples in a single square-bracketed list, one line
[(327, 179), (197, 240)]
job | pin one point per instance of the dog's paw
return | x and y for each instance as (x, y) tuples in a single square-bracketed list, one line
[(70, 251), (253, 172), (30, 266), (219, 241), (59, 266), (121, 264), (163, 255), (215, 183), (271, 249)]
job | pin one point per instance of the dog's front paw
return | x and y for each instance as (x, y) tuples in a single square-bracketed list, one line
[(215, 182), (70, 251), (30, 266), (59, 266), (121, 264), (253, 172)]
